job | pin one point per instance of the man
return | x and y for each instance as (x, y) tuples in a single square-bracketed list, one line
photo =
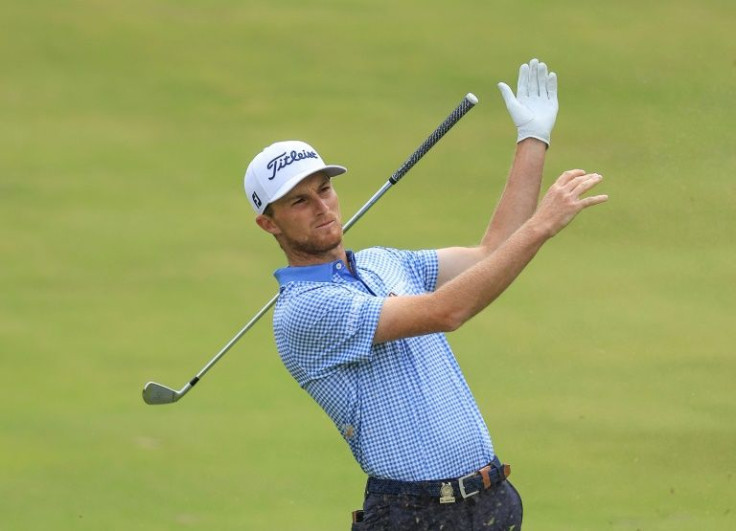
[(363, 333)]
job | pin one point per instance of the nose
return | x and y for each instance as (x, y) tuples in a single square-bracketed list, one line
[(320, 205)]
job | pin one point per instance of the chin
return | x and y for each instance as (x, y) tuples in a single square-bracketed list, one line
[(331, 244)]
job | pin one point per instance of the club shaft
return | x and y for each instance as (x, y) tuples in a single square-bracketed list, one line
[(235, 339), (465, 105), (461, 110)]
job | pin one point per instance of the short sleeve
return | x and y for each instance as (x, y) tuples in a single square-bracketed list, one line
[(421, 267), (320, 328), (424, 265)]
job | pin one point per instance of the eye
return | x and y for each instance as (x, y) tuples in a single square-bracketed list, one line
[(297, 201)]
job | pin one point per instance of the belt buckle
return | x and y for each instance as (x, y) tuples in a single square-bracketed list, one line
[(461, 483), (446, 493)]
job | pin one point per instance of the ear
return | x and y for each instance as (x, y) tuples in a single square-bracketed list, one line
[(268, 224)]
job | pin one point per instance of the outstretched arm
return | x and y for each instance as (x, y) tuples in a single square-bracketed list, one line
[(533, 110), (461, 298)]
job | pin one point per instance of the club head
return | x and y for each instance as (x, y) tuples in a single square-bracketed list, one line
[(154, 394)]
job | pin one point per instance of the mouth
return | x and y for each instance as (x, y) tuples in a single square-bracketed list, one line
[(326, 224)]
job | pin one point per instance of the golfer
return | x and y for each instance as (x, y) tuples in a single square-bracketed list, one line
[(363, 333)]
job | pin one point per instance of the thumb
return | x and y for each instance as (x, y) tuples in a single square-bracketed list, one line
[(519, 114), (507, 94)]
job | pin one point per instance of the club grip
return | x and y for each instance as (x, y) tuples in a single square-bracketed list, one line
[(461, 110)]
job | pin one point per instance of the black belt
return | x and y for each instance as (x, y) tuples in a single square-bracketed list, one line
[(466, 486)]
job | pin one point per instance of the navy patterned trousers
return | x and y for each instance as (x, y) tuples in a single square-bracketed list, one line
[(498, 508)]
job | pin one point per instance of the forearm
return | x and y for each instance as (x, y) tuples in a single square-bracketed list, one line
[(477, 287), (456, 301), (521, 193)]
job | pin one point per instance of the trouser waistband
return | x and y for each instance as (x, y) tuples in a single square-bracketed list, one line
[(466, 486)]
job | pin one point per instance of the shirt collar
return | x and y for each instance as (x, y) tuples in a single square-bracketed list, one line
[(317, 273)]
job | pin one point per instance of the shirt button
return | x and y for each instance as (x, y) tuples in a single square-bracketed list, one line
[(338, 266)]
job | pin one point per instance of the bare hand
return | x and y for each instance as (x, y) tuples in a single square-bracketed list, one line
[(562, 202)]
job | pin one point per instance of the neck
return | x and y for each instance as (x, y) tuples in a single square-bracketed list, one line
[(296, 258)]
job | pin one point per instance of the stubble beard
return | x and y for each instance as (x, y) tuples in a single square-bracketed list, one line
[(311, 249)]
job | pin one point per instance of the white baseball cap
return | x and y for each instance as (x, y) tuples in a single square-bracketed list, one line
[(279, 168)]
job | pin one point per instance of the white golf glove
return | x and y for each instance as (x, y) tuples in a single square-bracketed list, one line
[(534, 108)]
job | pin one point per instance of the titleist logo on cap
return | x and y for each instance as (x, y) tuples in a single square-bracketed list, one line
[(280, 167), (280, 162)]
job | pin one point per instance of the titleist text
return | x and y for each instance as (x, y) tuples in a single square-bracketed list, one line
[(280, 162)]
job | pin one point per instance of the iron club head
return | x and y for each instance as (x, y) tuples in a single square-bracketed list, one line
[(154, 393)]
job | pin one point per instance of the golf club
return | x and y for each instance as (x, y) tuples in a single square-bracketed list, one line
[(155, 393)]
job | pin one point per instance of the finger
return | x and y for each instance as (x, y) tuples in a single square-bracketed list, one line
[(569, 175), (593, 200), (552, 86), (534, 77), (542, 80), (582, 184), (522, 87)]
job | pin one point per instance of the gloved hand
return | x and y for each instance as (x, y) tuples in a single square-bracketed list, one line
[(534, 108)]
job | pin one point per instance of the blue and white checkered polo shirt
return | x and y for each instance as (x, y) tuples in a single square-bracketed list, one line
[(403, 406)]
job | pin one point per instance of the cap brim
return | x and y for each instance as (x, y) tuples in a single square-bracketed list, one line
[(331, 170)]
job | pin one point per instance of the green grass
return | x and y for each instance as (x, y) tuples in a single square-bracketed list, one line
[(129, 253)]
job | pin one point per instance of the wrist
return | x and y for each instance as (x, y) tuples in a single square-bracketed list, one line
[(538, 230), (531, 143), (533, 136)]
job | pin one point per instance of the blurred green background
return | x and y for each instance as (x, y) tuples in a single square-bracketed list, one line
[(129, 253)]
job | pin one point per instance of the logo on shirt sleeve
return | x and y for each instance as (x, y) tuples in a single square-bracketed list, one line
[(398, 289)]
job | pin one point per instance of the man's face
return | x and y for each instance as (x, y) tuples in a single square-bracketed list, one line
[(306, 221)]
